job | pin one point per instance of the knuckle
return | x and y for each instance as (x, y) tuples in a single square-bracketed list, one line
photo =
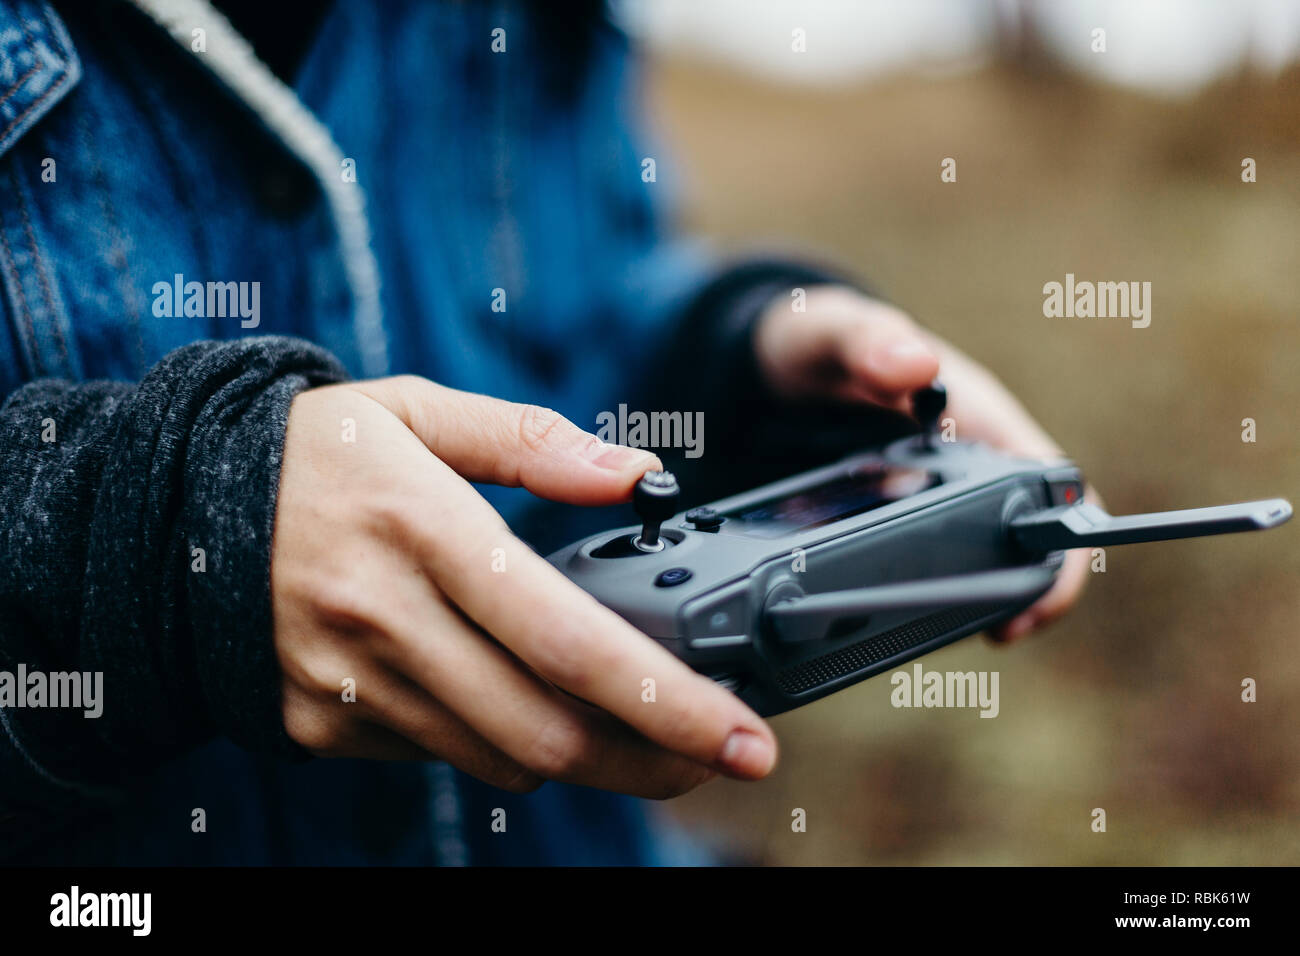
[(407, 381), (503, 771), (400, 388), (686, 721), (559, 750), (342, 603), (393, 518), (384, 514), (311, 730), (567, 659), (683, 780), (517, 779), (317, 674), (539, 426)]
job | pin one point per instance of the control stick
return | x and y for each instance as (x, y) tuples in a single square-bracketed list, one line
[(655, 501), (928, 404)]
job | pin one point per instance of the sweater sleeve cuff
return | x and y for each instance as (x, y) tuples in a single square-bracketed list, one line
[(195, 479), (234, 471)]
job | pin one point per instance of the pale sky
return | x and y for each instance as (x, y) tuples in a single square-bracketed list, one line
[(1165, 46)]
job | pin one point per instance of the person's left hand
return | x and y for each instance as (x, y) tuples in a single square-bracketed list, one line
[(854, 348)]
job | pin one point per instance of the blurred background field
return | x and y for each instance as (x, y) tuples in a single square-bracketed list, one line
[(1133, 704)]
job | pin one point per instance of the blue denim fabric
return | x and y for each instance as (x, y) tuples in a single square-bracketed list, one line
[(480, 174)]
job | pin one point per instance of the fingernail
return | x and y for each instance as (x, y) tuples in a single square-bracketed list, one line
[(886, 358), (747, 754), (618, 457), (907, 349)]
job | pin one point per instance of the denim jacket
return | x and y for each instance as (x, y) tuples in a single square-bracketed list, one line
[(450, 189)]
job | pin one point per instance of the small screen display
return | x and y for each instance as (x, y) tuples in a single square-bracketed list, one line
[(860, 490)]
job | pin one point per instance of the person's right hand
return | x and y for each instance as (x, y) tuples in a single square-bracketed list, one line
[(392, 577)]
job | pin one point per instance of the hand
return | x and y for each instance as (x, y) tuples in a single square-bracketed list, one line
[(850, 347), (391, 575)]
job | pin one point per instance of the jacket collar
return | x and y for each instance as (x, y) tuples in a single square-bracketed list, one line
[(38, 66)]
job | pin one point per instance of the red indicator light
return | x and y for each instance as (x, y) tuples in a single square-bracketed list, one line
[(1071, 495)]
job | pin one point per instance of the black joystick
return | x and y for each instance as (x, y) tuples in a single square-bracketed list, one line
[(928, 404), (655, 501)]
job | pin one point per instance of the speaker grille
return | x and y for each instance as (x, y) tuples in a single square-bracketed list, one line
[(873, 650)]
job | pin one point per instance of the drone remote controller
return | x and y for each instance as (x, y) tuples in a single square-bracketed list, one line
[(803, 587)]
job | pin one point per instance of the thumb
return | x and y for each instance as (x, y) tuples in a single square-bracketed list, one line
[(846, 345), (884, 351), (506, 443)]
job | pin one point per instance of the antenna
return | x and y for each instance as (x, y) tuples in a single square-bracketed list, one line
[(1086, 525)]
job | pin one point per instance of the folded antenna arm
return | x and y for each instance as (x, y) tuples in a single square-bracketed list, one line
[(1087, 526)]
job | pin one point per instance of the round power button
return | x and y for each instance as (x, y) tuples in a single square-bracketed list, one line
[(673, 577)]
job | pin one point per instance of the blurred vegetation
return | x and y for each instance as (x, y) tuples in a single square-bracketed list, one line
[(1133, 703)]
